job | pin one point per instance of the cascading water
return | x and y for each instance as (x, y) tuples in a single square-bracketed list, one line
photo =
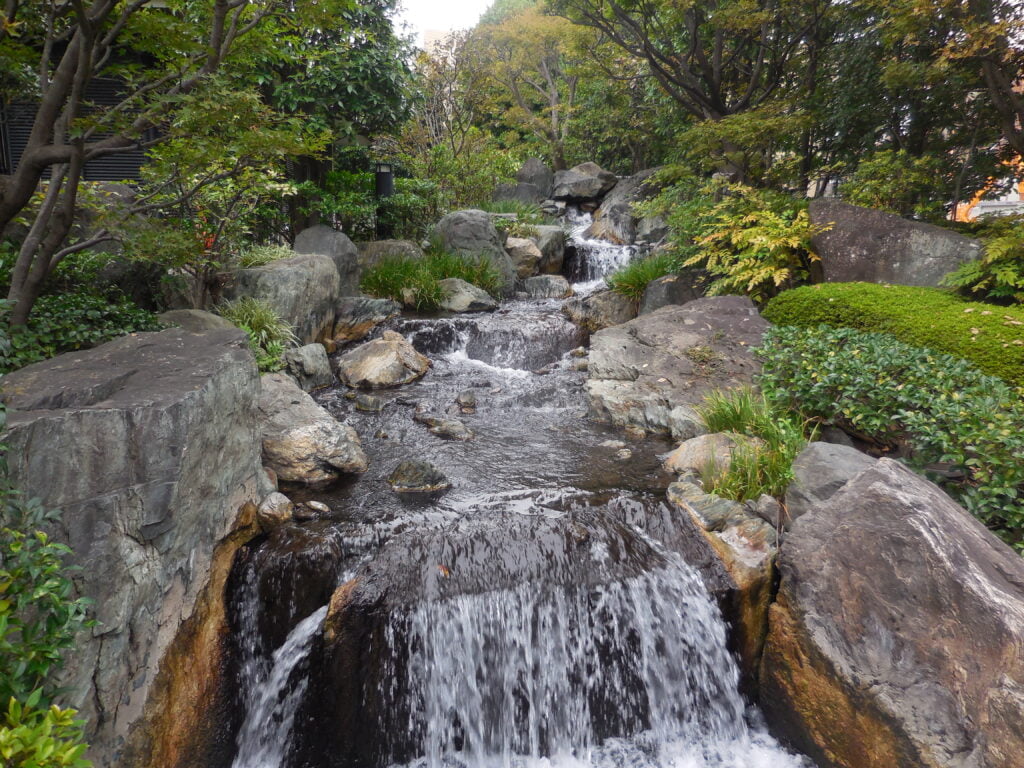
[(541, 614), (595, 259)]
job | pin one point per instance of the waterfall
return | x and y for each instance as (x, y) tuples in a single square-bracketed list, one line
[(596, 259), (630, 673), (274, 699)]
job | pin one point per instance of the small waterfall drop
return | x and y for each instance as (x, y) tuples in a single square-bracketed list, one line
[(595, 259), (264, 736)]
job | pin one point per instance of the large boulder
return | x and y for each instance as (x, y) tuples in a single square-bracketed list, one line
[(652, 371), (149, 445), (303, 290), (537, 173), (897, 633), (195, 320), (309, 366), (385, 362), (356, 316), (460, 296), (550, 238), (601, 309), (302, 442), (524, 192), (586, 182), (614, 220), (678, 288), (819, 471), (373, 252), (335, 245), (525, 255), (865, 245), (472, 233)]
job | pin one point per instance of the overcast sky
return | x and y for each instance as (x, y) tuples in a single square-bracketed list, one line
[(422, 15)]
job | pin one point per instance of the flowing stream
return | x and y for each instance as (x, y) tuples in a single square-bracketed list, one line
[(543, 612)]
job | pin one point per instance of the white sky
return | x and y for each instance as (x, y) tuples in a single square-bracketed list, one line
[(446, 15)]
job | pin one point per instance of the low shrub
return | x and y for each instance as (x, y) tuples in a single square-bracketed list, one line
[(944, 417), (998, 276), (269, 335), (415, 282), (261, 255), (755, 470), (68, 322), (632, 279), (991, 338)]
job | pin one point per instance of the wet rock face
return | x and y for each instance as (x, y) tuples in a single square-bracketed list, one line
[(419, 477), (385, 362), (547, 287), (550, 239), (896, 636), (866, 245), (149, 444), (614, 220), (641, 371), (599, 310), (460, 296), (303, 443), (356, 316)]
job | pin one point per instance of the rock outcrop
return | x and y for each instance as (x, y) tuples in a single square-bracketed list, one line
[(601, 309), (586, 182), (819, 471), (672, 289), (195, 320), (472, 233), (897, 634), (149, 444), (385, 362), (550, 238), (302, 442), (525, 255), (309, 366), (303, 290), (615, 219), (522, 191), (460, 296), (336, 246), (537, 173), (356, 316), (651, 372), (865, 245)]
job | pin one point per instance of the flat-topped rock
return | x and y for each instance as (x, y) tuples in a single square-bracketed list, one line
[(385, 362)]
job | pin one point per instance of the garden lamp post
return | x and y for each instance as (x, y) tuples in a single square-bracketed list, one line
[(384, 187)]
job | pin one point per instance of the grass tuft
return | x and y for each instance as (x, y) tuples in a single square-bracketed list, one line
[(261, 255), (415, 282), (268, 333), (632, 279)]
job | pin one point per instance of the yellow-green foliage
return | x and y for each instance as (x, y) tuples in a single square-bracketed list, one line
[(990, 337), (999, 274)]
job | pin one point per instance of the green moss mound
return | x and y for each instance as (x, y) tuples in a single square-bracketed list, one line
[(990, 337)]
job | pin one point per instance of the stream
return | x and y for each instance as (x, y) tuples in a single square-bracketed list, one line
[(540, 613)]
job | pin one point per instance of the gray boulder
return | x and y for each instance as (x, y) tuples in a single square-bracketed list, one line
[(642, 371), (614, 220), (523, 192), (302, 442), (335, 245), (672, 289), (303, 290), (536, 172), (195, 320), (546, 287), (651, 230), (525, 255), (473, 233), (149, 444), (601, 309), (550, 239), (373, 252), (309, 366), (460, 296), (356, 316), (865, 245), (586, 182), (385, 362), (819, 472), (896, 634)]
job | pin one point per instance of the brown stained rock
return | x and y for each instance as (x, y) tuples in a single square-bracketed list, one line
[(385, 362), (710, 456), (898, 633), (746, 547), (525, 255), (356, 316)]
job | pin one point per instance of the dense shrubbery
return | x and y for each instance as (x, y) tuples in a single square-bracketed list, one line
[(64, 323), (414, 282), (39, 618), (997, 276), (946, 418), (991, 337), (755, 469), (897, 182), (269, 335)]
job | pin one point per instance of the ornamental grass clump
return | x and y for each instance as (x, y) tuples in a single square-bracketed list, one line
[(269, 335), (261, 255), (755, 468), (415, 283), (942, 416), (632, 280)]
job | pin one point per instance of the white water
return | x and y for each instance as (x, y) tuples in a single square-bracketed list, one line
[(600, 257), (264, 736), (630, 674)]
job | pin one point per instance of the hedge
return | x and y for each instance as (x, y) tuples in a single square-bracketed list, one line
[(990, 337)]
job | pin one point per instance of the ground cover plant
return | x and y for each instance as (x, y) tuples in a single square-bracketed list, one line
[(755, 469), (269, 335), (943, 416), (415, 283), (990, 337)]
